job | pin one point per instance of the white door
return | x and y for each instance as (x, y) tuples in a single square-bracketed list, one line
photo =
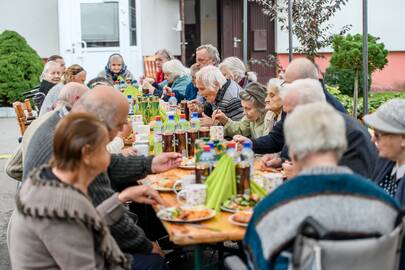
[(91, 30)]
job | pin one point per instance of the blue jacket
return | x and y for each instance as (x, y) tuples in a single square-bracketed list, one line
[(311, 195), (191, 92), (179, 87)]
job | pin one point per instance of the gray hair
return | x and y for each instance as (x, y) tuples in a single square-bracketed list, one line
[(303, 68), (71, 92), (47, 67), (275, 84), (209, 75), (307, 90), (194, 69), (104, 110), (255, 93), (238, 69), (315, 128), (176, 68), (212, 52), (166, 54)]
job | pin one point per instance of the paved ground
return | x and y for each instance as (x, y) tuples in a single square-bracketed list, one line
[(8, 143)]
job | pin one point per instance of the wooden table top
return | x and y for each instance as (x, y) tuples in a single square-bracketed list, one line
[(217, 229)]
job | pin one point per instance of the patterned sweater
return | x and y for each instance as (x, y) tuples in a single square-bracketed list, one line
[(123, 171)]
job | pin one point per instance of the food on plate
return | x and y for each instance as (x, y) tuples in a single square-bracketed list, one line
[(241, 202), (186, 213), (188, 162), (160, 183), (242, 216)]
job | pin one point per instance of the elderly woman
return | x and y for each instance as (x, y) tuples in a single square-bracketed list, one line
[(178, 77), (219, 93), (156, 85), (74, 73), (116, 69), (50, 76), (234, 69), (253, 124), (331, 195), (55, 225), (388, 124)]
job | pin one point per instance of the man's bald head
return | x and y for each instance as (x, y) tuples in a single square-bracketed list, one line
[(109, 105), (72, 92), (300, 68)]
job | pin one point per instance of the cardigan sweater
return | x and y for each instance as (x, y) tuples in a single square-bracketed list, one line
[(122, 172), (55, 226)]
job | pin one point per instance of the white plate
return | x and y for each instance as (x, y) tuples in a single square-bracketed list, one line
[(149, 182), (165, 214), (230, 210), (187, 167), (232, 221)]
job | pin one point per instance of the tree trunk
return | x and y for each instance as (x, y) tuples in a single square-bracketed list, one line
[(355, 94)]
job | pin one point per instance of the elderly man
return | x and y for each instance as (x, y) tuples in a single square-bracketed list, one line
[(112, 108), (207, 55), (331, 196), (303, 68), (68, 96), (219, 93), (361, 153)]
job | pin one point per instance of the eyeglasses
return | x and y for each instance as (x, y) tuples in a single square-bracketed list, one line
[(379, 134)]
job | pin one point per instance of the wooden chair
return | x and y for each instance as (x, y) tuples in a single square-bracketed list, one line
[(149, 66), (24, 113)]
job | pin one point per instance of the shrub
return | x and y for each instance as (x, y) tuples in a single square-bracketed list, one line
[(20, 67), (343, 79)]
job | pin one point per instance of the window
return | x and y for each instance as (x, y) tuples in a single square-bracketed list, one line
[(132, 22), (100, 24)]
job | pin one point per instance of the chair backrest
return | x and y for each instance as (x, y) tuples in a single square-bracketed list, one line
[(149, 66), (24, 114), (343, 203)]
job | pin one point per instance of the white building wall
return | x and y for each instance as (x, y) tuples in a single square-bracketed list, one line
[(159, 17), (35, 20), (385, 20)]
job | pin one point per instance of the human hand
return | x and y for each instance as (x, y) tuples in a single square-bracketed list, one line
[(290, 169), (219, 116), (166, 161), (240, 140), (167, 90), (147, 85), (195, 106), (270, 160), (206, 121), (130, 151), (157, 250), (141, 194)]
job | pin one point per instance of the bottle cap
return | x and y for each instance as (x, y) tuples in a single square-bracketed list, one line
[(129, 96), (172, 94), (231, 144), (194, 115), (182, 116), (207, 148), (247, 144), (157, 118), (171, 117), (211, 144)]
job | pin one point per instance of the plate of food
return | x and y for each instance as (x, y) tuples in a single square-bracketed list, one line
[(240, 203), (160, 184), (186, 214), (241, 218), (187, 163)]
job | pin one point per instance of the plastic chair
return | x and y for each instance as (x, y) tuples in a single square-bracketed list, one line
[(149, 66)]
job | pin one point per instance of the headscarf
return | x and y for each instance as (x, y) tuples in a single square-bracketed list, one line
[(123, 72)]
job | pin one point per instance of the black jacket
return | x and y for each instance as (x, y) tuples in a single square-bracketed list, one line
[(360, 156)]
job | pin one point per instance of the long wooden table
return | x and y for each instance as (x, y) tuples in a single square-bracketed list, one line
[(215, 230)]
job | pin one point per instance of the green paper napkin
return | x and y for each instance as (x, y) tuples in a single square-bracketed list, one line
[(256, 189), (221, 184)]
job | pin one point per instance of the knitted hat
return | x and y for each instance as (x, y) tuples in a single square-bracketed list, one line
[(389, 117)]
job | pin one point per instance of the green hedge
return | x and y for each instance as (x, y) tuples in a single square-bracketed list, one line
[(375, 99), (20, 67)]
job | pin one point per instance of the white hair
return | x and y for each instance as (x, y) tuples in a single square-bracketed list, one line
[(175, 68), (71, 92), (212, 52), (275, 84), (307, 90), (315, 128), (238, 69), (47, 67), (210, 74)]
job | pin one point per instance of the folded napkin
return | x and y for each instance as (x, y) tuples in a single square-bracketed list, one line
[(256, 189), (133, 91), (221, 184)]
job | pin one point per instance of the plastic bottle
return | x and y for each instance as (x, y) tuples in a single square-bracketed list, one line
[(248, 155), (168, 134), (117, 85), (135, 84), (157, 136), (231, 151), (122, 85), (180, 139), (213, 152), (172, 103), (183, 123), (130, 105), (204, 167), (195, 121)]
